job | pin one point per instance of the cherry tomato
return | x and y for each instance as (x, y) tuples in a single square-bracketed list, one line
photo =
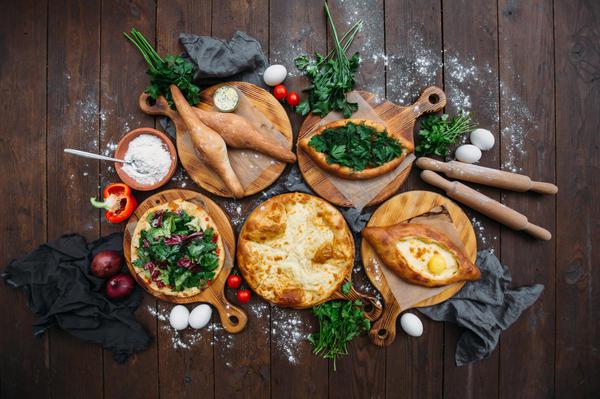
[(234, 281), (293, 99), (279, 92), (243, 296)]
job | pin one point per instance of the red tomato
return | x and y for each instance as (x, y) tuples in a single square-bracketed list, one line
[(234, 281), (293, 99), (280, 92), (243, 296)]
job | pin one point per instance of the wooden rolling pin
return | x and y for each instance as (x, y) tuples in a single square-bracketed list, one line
[(486, 205), (486, 176)]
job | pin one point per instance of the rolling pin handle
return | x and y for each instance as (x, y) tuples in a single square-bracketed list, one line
[(537, 232), (436, 180), (431, 164), (543, 188)]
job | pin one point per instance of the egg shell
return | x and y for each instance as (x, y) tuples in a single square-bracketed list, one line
[(468, 153), (274, 75), (200, 316), (179, 317), (483, 139), (411, 325)]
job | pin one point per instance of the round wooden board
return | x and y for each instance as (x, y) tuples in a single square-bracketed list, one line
[(397, 209), (264, 102), (233, 318), (399, 121)]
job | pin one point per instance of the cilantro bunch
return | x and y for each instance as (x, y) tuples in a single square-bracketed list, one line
[(339, 323), (437, 133), (176, 252), (356, 146), (332, 76), (165, 72)]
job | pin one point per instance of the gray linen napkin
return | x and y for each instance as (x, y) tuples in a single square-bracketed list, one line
[(485, 308)]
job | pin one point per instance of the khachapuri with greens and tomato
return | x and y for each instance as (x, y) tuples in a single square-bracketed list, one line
[(295, 250), (355, 149), (176, 249)]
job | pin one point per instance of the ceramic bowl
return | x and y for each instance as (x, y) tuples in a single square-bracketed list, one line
[(122, 149)]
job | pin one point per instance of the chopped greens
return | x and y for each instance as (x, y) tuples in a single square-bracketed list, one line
[(439, 132), (339, 323), (356, 146), (176, 252)]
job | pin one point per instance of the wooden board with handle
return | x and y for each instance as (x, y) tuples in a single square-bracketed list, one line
[(233, 318), (204, 176), (400, 120), (397, 209)]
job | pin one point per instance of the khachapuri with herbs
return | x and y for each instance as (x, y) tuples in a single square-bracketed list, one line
[(176, 249), (295, 250)]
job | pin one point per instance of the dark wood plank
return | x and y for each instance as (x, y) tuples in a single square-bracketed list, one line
[(122, 79), (526, 57), (577, 56), (186, 371), (471, 84), (242, 361), (73, 119), (413, 40), (24, 369), (362, 372), (295, 28)]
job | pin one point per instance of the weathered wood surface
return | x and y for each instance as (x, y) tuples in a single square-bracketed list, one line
[(528, 70)]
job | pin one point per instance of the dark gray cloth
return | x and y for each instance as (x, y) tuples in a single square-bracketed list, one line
[(61, 291), (485, 308)]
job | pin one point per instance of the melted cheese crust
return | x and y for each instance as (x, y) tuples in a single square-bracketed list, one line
[(417, 254), (295, 250)]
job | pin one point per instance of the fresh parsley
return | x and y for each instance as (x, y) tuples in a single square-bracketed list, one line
[(356, 146), (332, 76), (339, 323), (165, 72), (437, 133)]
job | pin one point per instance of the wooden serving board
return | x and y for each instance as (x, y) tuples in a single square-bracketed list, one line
[(204, 176), (399, 120), (233, 318), (397, 209)]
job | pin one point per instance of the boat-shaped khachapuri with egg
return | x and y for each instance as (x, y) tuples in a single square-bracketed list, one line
[(355, 149), (176, 249)]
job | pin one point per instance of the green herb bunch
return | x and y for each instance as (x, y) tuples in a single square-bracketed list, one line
[(437, 133), (165, 72), (332, 76), (356, 146), (339, 323)]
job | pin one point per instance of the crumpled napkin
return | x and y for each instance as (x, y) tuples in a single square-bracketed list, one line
[(485, 308), (61, 291)]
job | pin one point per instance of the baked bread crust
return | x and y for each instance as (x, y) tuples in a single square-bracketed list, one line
[(384, 240), (205, 222), (295, 250), (343, 171)]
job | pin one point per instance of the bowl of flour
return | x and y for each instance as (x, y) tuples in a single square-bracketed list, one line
[(151, 157)]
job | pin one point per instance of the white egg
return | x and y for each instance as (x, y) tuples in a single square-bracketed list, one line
[(200, 316), (179, 317), (274, 75), (482, 138), (411, 325), (468, 153)]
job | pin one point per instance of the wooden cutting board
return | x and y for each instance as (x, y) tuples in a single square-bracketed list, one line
[(204, 176), (400, 121), (395, 210), (233, 318)]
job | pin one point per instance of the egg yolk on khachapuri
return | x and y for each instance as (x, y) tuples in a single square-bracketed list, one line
[(428, 258)]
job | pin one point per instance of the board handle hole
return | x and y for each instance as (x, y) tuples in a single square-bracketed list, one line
[(234, 320), (382, 333), (433, 98), (368, 307)]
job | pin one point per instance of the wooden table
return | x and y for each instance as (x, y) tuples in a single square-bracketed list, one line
[(70, 79)]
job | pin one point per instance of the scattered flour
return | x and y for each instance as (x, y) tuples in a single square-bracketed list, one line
[(484, 239), (288, 334)]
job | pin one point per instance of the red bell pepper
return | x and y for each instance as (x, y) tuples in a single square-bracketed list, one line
[(119, 202)]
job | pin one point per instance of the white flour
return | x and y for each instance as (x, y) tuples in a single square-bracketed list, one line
[(151, 159)]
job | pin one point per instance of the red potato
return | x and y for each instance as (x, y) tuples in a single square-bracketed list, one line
[(209, 143)]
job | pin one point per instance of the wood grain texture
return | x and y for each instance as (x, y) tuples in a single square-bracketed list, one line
[(577, 63), (25, 365), (526, 55), (400, 121), (123, 76)]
